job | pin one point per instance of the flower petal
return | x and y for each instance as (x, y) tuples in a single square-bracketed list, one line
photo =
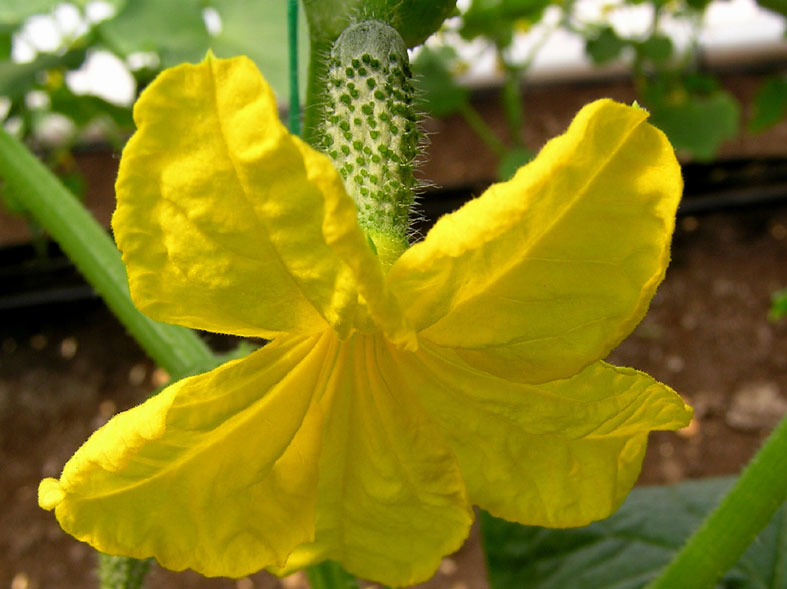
[(380, 309), (559, 454), (217, 473), (392, 501), (548, 272), (221, 211)]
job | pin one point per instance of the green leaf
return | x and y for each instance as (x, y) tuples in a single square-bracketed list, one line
[(439, 94), (770, 104), (698, 83), (778, 6), (656, 48), (482, 19), (698, 5), (496, 19), (414, 20), (627, 550), (245, 23), (778, 305), (697, 124), (605, 46), (15, 11), (173, 29), (6, 36), (524, 9)]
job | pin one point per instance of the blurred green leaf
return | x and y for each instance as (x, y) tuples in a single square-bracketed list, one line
[(482, 19), (604, 46), (244, 24), (656, 48), (15, 11), (497, 20), (698, 5), (778, 305), (697, 124), (779, 6), (627, 550), (83, 109), (513, 160), (17, 79), (770, 104), (415, 20), (439, 94), (6, 36), (173, 29), (698, 83)]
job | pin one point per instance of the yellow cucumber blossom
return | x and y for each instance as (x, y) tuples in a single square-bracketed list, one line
[(390, 401)]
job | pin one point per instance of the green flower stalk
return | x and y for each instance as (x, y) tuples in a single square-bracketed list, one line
[(744, 512), (117, 572)]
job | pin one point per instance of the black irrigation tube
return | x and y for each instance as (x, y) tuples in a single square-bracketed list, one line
[(441, 202), (28, 281), (739, 198)]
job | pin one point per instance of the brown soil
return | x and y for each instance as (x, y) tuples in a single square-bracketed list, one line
[(65, 369)]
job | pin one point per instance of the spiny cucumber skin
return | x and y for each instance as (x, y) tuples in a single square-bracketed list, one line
[(370, 130)]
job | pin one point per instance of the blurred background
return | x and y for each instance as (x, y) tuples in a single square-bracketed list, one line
[(501, 78)]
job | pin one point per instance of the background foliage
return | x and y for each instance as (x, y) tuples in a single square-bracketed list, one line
[(687, 103), (628, 550), (149, 35)]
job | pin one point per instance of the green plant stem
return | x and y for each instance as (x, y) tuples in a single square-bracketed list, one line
[(330, 575), (512, 102), (292, 40), (118, 572), (484, 132), (725, 534), (177, 349)]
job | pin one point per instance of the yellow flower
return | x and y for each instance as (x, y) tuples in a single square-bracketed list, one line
[(388, 403)]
